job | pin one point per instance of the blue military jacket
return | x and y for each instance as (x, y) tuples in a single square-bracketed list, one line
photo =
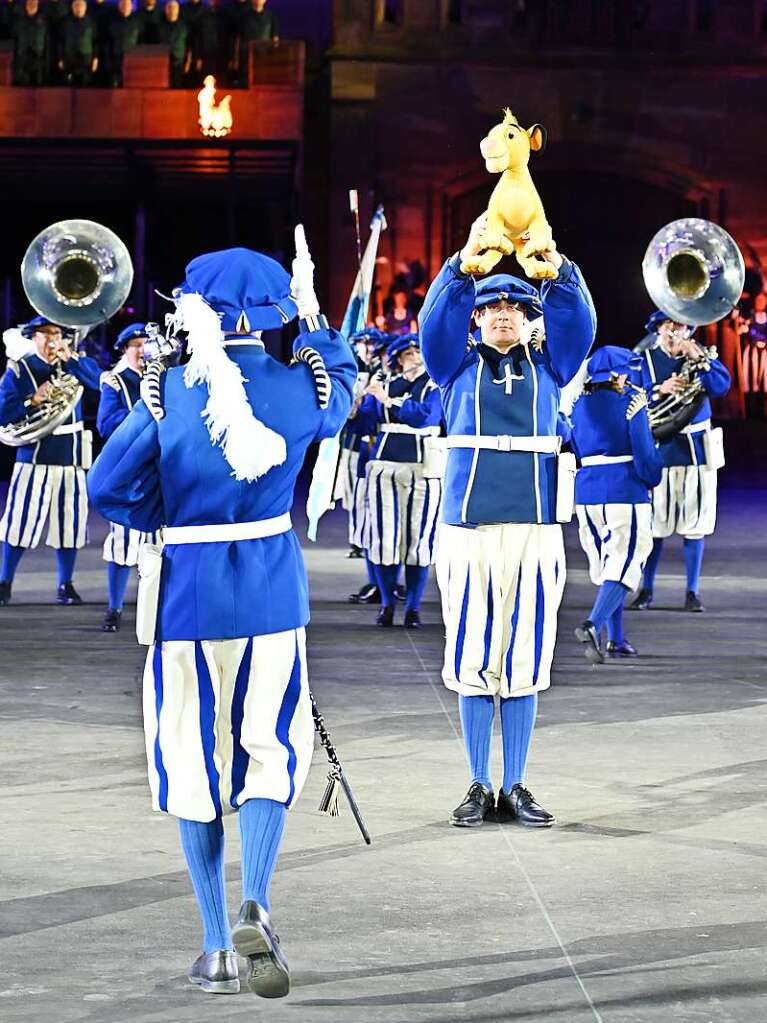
[(485, 393), (600, 427), (116, 404), (151, 474), (416, 404), (20, 381), (684, 448)]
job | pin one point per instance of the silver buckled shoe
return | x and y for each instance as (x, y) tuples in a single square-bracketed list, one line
[(216, 972), (255, 940)]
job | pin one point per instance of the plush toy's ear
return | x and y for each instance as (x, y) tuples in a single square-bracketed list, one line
[(537, 135)]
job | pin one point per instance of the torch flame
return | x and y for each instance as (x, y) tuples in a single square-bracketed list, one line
[(215, 118)]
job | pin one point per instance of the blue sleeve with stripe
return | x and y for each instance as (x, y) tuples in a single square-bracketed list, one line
[(570, 319)]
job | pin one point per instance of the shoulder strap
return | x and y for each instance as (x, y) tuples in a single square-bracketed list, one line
[(316, 364), (152, 390)]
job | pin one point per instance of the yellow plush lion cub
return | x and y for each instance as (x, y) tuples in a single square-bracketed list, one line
[(516, 221)]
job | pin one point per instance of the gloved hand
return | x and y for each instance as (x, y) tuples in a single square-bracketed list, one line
[(302, 281)]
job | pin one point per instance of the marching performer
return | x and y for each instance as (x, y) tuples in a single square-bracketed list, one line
[(402, 500), (120, 390), (48, 482), (684, 501), (213, 455), (500, 560), (620, 464)]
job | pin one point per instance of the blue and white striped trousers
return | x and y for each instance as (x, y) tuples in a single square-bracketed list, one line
[(501, 588), (226, 721), (37, 494), (617, 540), (122, 545), (402, 514), (684, 502)]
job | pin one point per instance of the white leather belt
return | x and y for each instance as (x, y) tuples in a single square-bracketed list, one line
[(606, 459), (697, 427), (414, 431), (227, 531), (62, 431), (543, 445)]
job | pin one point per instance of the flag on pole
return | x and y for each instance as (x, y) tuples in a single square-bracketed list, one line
[(320, 497)]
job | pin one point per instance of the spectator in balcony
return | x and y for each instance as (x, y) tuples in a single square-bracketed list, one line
[(398, 317), (55, 12), (9, 12), (124, 32), (30, 46), (102, 13), (175, 35), (78, 60), (212, 44), (150, 21), (191, 14), (253, 24)]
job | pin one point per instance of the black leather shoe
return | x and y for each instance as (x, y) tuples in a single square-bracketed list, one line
[(586, 634), (369, 594), (385, 617), (643, 601), (255, 940), (479, 802), (692, 602), (400, 593), (216, 972), (5, 594), (67, 594), (355, 552), (622, 649), (112, 620), (520, 806), (412, 620)]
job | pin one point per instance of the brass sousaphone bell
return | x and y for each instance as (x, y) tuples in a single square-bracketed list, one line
[(77, 273), (694, 273)]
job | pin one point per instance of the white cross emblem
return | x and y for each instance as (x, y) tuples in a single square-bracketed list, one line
[(508, 376)]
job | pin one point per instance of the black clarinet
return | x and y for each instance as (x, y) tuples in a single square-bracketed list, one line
[(336, 777)]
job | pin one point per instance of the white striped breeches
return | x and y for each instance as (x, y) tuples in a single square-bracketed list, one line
[(501, 588), (684, 502), (346, 477), (122, 545), (40, 493), (402, 512), (226, 721), (617, 540)]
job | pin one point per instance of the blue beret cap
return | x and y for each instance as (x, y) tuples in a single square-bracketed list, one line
[(401, 343), (611, 361), (38, 321), (130, 333), (512, 289), (372, 335), (250, 291), (656, 319)]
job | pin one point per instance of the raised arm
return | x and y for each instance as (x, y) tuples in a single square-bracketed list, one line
[(426, 412), (124, 482), (445, 320), (112, 411), (570, 319), (340, 365), (86, 369), (716, 380)]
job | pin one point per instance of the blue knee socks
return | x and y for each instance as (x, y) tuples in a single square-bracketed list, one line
[(477, 713), (65, 559), (117, 583), (610, 597), (517, 723), (415, 582), (11, 558), (371, 571), (262, 822), (650, 569), (386, 577), (615, 626), (203, 845), (693, 561)]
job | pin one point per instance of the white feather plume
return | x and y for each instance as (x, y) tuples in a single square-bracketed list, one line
[(16, 345), (572, 391), (249, 446)]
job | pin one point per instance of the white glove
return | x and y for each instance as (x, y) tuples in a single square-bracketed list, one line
[(302, 281), (16, 345)]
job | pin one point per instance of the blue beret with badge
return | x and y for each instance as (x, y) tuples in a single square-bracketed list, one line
[(129, 333), (609, 362), (504, 287), (249, 291), (35, 323), (400, 344)]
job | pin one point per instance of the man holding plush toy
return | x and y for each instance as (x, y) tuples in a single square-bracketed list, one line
[(500, 555)]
